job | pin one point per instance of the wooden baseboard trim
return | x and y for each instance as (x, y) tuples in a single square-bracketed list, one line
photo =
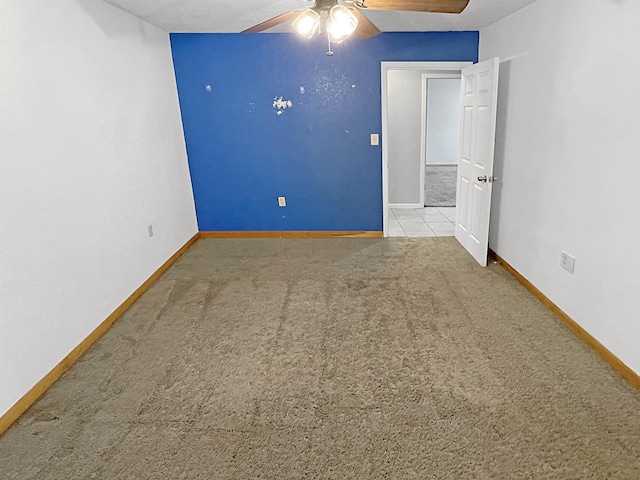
[(292, 234), (49, 379), (618, 365)]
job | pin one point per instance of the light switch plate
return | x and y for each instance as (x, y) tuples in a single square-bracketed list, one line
[(375, 139), (282, 201)]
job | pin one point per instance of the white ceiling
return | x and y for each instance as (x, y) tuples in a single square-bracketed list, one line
[(229, 16)]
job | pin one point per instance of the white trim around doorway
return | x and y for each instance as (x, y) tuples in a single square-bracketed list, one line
[(405, 205), (430, 70)]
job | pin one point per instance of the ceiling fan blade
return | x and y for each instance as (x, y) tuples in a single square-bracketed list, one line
[(366, 28), (272, 22), (437, 6)]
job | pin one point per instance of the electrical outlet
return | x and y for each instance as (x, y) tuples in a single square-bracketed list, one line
[(568, 262), (282, 201), (150, 231), (375, 139)]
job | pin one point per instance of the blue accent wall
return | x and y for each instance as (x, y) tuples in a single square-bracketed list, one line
[(316, 153)]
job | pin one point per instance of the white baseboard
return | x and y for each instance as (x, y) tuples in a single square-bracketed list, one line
[(405, 205)]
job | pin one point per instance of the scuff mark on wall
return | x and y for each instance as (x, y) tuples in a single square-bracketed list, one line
[(302, 90), (208, 88), (281, 105)]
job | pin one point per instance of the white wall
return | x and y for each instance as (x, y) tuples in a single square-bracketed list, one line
[(92, 151), (404, 89), (567, 159), (443, 121)]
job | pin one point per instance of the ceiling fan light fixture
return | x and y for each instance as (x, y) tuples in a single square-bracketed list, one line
[(307, 23), (341, 23)]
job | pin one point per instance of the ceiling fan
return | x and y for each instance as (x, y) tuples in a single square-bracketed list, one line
[(341, 18)]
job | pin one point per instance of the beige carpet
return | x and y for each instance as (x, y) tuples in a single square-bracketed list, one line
[(332, 359)]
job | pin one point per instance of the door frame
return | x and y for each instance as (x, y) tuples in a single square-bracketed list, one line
[(437, 69)]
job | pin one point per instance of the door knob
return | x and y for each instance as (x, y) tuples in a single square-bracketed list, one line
[(485, 179)]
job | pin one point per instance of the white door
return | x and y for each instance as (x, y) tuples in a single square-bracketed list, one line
[(475, 163)]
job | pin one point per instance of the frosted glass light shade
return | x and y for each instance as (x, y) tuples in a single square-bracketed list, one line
[(307, 23), (341, 23)]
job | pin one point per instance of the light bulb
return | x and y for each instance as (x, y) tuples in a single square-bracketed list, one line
[(306, 24), (341, 23)]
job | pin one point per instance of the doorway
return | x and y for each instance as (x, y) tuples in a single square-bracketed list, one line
[(442, 131), (404, 162)]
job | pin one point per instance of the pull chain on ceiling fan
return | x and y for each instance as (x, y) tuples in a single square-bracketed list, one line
[(342, 18)]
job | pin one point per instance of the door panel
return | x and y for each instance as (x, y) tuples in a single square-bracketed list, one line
[(464, 186), (467, 124), (476, 214), (479, 97), (484, 118)]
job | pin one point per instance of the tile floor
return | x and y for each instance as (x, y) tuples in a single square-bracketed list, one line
[(422, 222)]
